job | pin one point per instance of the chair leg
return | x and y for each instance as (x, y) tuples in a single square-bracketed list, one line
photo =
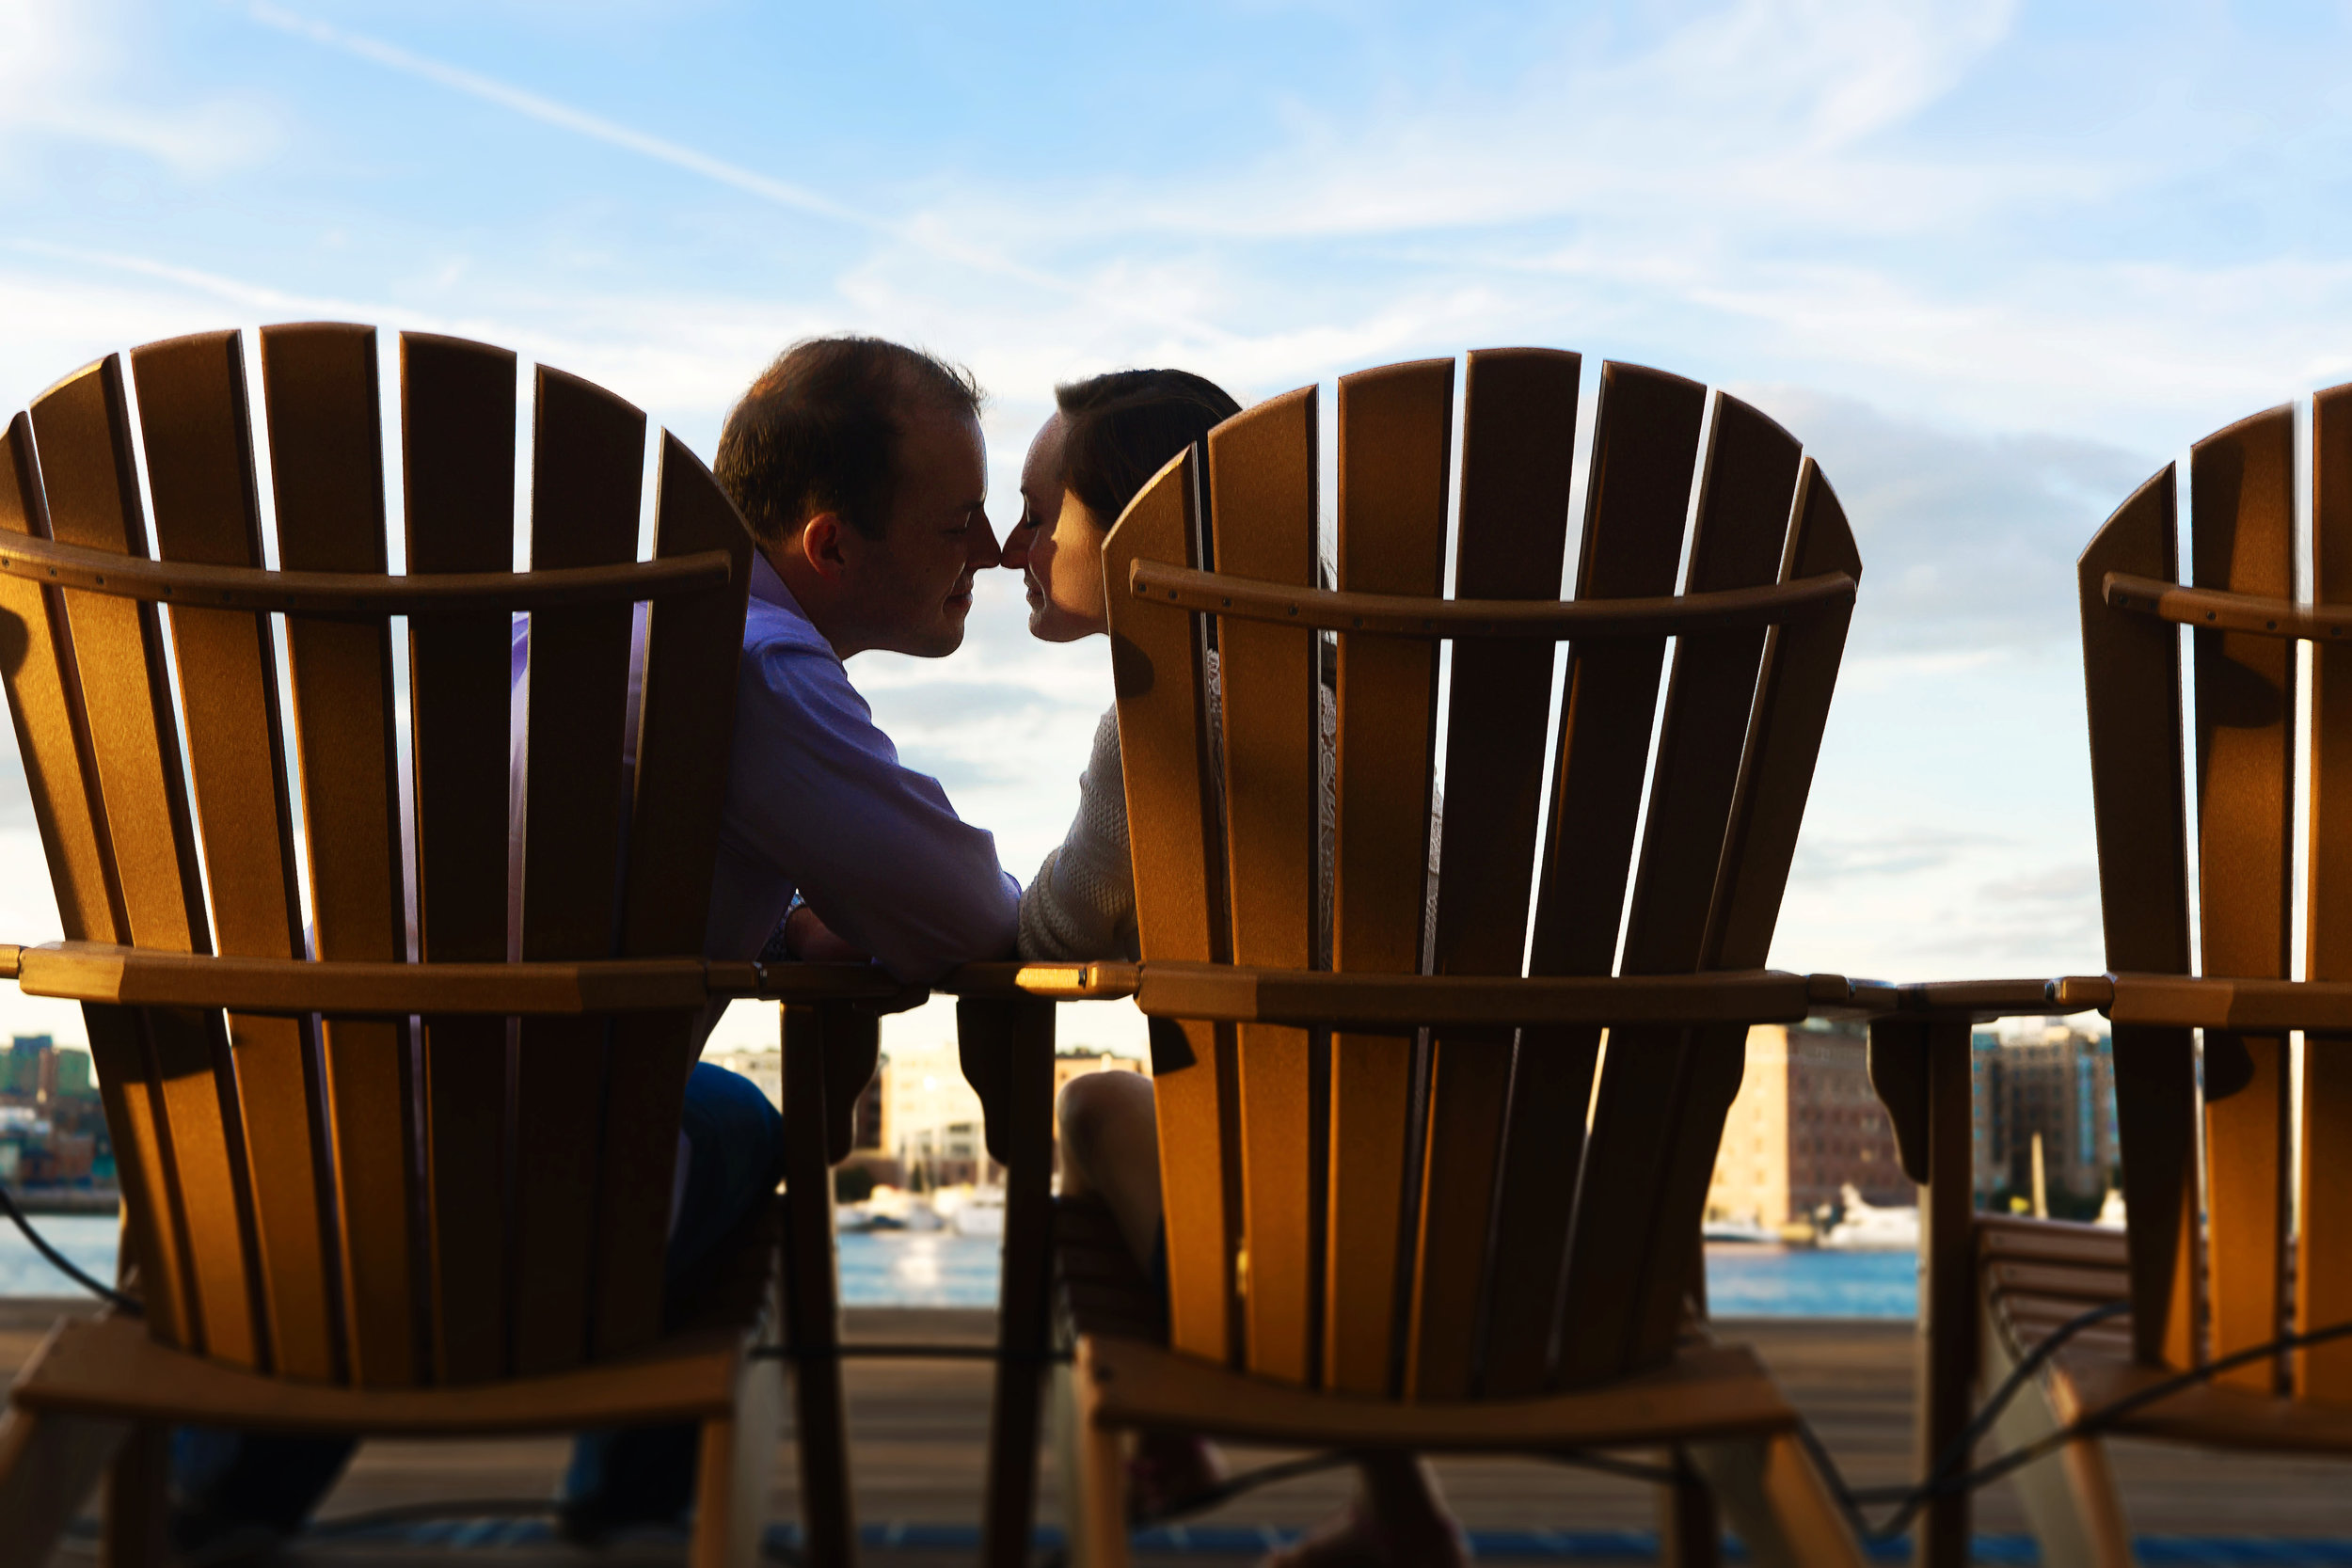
[(739, 1456), (137, 1506), (1689, 1533), (812, 1303), (1021, 1133), (2070, 1497), (48, 1465), (1098, 1533), (1777, 1501)]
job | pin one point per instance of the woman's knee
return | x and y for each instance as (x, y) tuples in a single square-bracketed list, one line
[(1099, 1109)]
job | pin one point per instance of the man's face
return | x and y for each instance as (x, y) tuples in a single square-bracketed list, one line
[(909, 590)]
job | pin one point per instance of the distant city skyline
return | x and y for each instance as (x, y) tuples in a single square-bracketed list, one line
[(1994, 263)]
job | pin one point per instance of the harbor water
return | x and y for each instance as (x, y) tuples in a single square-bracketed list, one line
[(942, 1267)]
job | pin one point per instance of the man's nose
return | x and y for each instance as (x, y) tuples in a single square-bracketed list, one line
[(986, 552)]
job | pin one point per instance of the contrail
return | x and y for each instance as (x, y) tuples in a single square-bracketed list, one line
[(752, 182)]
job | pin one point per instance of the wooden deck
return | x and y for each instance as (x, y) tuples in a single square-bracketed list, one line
[(919, 1429)]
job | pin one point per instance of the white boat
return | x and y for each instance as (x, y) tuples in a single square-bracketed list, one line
[(981, 1215), (1866, 1228), (1747, 1231)]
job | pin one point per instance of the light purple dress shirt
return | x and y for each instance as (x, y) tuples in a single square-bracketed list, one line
[(819, 802)]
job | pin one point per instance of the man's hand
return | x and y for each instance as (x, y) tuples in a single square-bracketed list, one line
[(811, 941)]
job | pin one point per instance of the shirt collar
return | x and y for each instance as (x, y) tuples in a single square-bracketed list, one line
[(769, 588)]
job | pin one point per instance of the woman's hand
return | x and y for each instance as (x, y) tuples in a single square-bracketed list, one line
[(811, 941)]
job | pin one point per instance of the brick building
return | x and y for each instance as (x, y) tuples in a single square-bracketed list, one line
[(1806, 1123)]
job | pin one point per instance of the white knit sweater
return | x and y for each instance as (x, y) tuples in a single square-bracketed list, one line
[(1081, 904)]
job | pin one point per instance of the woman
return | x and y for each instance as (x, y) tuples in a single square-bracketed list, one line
[(1106, 439)]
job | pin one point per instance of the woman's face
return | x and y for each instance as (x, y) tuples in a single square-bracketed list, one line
[(1058, 547)]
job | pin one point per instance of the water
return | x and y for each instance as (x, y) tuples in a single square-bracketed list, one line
[(87, 1239), (942, 1269)]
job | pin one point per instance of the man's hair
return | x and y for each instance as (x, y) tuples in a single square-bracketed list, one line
[(820, 432), (1121, 429)]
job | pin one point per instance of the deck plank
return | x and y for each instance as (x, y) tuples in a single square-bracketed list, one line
[(921, 1435)]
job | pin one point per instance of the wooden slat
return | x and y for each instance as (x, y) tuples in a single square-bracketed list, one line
[(587, 472), (2323, 1263), (1262, 512), (1791, 711), (53, 741), (193, 422), (82, 429), (1518, 458), (1155, 665), (692, 646), (1662, 1095), (1396, 427), (2241, 489), (44, 704), (1645, 445), (457, 465), (327, 469), (2132, 676)]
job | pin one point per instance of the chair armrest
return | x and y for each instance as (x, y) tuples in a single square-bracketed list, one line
[(1059, 982)]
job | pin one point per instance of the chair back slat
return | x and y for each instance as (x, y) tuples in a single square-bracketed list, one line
[(325, 442), (457, 464), (2323, 1263), (1519, 457), (1645, 445), (194, 424), (45, 703), (1798, 677), (1181, 914), (692, 646), (82, 429), (2132, 679), (587, 473), (2242, 495), (1262, 514), (1396, 434), (53, 741), (1658, 1112)]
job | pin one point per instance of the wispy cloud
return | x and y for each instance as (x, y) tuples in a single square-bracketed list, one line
[(916, 233)]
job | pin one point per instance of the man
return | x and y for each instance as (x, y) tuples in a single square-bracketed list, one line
[(860, 467)]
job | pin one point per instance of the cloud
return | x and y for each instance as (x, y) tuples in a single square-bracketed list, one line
[(60, 78), (1968, 542)]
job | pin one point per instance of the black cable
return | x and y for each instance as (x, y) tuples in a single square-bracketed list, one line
[(129, 1306), (1946, 1478)]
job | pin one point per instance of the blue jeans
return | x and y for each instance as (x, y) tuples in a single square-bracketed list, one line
[(614, 1477)]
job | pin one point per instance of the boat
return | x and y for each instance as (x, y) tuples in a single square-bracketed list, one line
[(982, 1213), (1748, 1233), (1866, 1228)]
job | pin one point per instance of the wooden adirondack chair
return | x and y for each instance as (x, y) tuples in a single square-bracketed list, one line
[(2266, 1251), (375, 1191), (1374, 1242)]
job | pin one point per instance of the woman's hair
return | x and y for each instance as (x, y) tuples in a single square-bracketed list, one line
[(1121, 429), (820, 431)]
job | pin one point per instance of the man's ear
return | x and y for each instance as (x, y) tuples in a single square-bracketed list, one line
[(822, 544)]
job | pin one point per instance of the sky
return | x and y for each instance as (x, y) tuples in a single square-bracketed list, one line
[(1994, 264)]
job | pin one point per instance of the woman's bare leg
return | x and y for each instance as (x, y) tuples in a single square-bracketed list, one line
[(1110, 1149)]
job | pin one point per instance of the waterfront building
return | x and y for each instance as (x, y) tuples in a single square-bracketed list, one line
[(1805, 1125), (2043, 1078)]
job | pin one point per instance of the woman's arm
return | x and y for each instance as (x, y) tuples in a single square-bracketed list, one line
[(1081, 902)]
